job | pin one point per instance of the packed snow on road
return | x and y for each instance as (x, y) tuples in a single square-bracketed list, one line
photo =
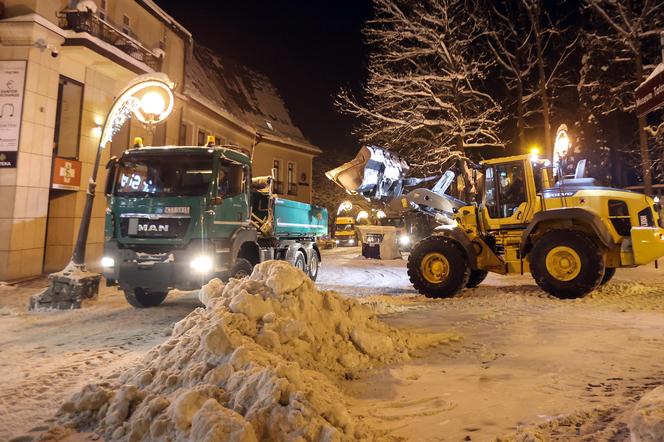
[(357, 356)]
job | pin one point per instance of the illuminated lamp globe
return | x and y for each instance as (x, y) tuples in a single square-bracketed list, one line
[(153, 103)]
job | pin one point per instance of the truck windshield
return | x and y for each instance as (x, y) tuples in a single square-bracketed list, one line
[(161, 175)]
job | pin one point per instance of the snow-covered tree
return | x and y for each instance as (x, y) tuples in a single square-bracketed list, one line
[(629, 32), (532, 51), (424, 94)]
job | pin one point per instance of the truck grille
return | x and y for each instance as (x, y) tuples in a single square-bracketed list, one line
[(144, 227)]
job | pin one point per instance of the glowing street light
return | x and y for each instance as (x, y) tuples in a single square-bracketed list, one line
[(149, 98), (560, 147)]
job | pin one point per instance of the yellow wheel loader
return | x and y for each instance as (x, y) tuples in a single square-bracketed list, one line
[(569, 233)]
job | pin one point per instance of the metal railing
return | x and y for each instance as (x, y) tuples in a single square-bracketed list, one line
[(86, 21)]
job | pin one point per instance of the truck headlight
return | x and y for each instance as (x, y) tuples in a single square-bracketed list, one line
[(336, 241), (351, 241), (404, 240), (107, 262), (201, 264)]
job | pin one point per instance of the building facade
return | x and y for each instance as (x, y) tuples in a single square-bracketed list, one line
[(61, 65)]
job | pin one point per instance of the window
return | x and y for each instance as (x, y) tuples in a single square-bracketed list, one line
[(619, 216), (276, 171), (292, 186), (155, 175), (68, 118), (201, 137), (126, 24), (505, 189), (231, 179)]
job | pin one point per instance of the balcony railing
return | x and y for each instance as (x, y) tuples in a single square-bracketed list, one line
[(86, 21)]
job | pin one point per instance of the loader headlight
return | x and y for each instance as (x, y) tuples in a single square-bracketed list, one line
[(351, 241), (107, 262), (404, 240), (201, 264)]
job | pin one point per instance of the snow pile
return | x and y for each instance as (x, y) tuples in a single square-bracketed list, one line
[(259, 362), (647, 422)]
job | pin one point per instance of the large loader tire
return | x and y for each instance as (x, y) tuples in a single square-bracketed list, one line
[(438, 267), (567, 263), (609, 272), (141, 298), (476, 278)]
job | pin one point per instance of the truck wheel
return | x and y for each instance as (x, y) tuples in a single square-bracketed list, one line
[(566, 263), (241, 268), (476, 278), (438, 267), (609, 272), (300, 261), (141, 298), (314, 265)]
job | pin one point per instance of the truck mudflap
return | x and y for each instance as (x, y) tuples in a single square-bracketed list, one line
[(647, 244)]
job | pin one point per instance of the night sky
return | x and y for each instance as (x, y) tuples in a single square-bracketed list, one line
[(310, 50)]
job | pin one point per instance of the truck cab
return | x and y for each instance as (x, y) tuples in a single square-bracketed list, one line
[(344, 231), (178, 216)]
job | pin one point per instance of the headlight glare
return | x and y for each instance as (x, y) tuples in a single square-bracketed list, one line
[(107, 261), (201, 264), (404, 240)]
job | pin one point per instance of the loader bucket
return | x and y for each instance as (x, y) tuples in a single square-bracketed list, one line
[(374, 173)]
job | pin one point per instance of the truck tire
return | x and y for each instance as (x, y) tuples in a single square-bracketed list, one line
[(438, 267), (300, 261), (240, 269), (141, 298), (314, 265), (567, 263), (609, 272), (476, 278)]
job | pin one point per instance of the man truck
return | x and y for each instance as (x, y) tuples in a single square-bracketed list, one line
[(178, 216)]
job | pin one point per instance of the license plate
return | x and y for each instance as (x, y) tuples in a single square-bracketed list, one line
[(374, 238)]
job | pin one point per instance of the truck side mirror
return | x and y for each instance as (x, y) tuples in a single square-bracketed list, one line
[(111, 168)]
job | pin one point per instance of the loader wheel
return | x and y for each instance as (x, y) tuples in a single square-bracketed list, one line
[(609, 272), (566, 263), (476, 278), (141, 298), (241, 268), (438, 267)]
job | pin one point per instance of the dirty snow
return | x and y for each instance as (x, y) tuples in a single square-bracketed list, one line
[(259, 362), (529, 366)]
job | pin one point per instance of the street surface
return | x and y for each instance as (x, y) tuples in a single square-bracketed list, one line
[(525, 359)]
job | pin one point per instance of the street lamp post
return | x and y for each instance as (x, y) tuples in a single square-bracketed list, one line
[(149, 98)]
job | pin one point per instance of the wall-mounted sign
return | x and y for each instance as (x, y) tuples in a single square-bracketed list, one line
[(66, 174), (12, 86)]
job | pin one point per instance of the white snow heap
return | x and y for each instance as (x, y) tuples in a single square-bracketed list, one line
[(260, 361), (647, 422)]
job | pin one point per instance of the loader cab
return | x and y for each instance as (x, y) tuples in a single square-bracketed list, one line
[(510, 192)]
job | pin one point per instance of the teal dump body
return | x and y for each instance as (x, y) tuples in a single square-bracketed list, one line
[(296, 219)]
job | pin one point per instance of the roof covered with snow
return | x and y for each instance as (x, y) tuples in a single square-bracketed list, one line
[(235, 89)]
